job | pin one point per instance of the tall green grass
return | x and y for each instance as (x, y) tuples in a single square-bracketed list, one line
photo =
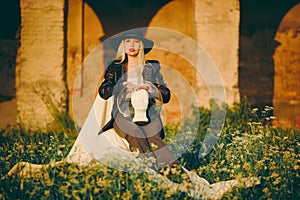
[(248, 146)]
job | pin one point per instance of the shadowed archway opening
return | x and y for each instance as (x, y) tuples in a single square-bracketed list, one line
[(286, 66), (118, 15), (104, 19), (259, 23)]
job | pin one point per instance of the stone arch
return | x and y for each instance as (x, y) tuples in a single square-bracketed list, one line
[(117, 16), (49, 37), (195, 19), (105, 12), (286, 66), (259, 23), (176, 16), (84, 31)]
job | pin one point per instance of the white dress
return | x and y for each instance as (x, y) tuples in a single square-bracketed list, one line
[(89, 145)]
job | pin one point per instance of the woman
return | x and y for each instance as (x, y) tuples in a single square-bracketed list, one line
[(129, 73)]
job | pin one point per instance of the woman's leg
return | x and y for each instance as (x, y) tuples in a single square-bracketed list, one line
[(139, 144), (161, 151), (145, 139)]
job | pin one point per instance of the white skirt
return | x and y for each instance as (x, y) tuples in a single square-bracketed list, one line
[(89, 145)]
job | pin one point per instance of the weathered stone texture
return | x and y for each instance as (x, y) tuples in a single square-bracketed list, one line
[(287, 60), (40, 67), (256, 68), (217, 30), (287, 71), (287, 80), (75, 42), (178, 67), (8, 50), (213, 24), (83, 38), (174, 51)]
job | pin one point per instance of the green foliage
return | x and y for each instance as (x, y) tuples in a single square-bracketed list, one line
[(62, 120), (38, 147), (69, 181), (248, 146)]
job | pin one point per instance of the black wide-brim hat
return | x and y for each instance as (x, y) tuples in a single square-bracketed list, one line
[(133, 33)]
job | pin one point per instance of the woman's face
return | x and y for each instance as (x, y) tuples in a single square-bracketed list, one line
[(132, 46)]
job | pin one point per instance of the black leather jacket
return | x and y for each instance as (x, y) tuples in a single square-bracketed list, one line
[(114, 77)]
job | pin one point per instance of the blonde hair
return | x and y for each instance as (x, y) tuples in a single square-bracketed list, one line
[(141, 60)]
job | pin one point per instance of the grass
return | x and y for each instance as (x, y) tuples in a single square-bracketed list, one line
[(248, 146)]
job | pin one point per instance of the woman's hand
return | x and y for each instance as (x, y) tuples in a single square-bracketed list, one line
[(133, 87), (129, 85), (146, 87)]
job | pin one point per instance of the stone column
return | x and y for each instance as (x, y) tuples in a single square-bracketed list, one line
[(286, 99), (217, 30), (84, 60), (40, 78), (75, 45)]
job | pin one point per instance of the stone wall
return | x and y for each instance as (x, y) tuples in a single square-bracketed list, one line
[(41, 72), (172, 35), (256, 68), (8, 52), (8, 49), (195, 22), (287, 71), (84, 58), (217, 30), (40, 76)]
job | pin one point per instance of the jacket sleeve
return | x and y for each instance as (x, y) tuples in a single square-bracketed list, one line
[(107, 86), (164, 90), (159, 82)]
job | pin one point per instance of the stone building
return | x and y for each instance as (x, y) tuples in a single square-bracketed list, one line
[(287, 70), (61, 55)]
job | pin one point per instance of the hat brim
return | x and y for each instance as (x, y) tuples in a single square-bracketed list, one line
[(115, 42)]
